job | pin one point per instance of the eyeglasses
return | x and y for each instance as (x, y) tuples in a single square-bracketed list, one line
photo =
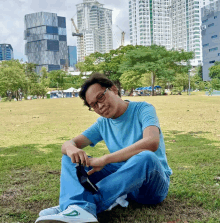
[(100, 98)]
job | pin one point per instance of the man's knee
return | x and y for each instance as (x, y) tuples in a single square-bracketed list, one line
[(147, 154)]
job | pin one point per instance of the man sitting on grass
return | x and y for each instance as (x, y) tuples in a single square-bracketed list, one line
[(136, 166)]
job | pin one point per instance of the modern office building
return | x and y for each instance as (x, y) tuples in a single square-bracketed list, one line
[(72, 56), (95, 23), (210, 36), (46, 41), (174, 24), (6, 52)]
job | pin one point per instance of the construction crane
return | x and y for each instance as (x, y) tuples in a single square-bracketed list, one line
[(122, 37), (80, 35)]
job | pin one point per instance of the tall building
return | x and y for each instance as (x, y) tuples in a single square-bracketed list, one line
[(170, 23), (46, 42), (72, 56), (95, 23), (210, 36), (150, 22), (6, 52)]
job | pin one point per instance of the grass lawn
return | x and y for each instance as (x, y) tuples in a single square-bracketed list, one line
[(32, 132)]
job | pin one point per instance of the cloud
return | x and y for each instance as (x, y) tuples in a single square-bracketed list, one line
[(12, 19)]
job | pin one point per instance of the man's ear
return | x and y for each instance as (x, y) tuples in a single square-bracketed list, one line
[(114, 89)]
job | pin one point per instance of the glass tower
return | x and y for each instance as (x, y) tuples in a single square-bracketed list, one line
[(46, 41), (72, 56), (6, 52), (95, 23)]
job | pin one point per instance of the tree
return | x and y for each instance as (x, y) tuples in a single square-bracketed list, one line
[(12, 78), (215, 83), (130, 81), (214, 71), (199, 72), (32, 78), (44, 81), (57, 78), (160, 62), (107, 63), (73, 81)]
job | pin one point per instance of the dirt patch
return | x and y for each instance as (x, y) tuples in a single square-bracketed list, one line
[(171, 210)]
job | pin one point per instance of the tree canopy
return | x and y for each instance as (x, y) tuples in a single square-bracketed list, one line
[(161, 63)]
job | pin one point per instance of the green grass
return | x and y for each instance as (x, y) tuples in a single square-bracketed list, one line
[(32, 132)]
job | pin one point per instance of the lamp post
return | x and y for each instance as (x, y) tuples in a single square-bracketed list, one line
[(189, 80)]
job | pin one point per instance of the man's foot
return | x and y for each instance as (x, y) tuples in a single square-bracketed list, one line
[(50, 211), (73, 214)]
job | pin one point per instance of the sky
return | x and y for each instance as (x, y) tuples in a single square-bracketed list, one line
[(12, 14)]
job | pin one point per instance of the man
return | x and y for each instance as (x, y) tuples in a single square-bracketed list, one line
[(136, 166)]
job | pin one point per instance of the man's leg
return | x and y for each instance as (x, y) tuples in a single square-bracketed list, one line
[(141, 177), (72, 192)]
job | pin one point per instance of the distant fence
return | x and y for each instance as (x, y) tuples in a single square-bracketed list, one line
[(214, 93)]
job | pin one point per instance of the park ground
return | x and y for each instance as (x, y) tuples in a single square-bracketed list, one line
[(32, 132)]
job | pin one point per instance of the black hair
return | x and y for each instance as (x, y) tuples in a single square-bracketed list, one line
[(96, 78)]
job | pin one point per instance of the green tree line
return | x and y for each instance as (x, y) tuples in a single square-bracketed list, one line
[(20, 80), (130, 67)]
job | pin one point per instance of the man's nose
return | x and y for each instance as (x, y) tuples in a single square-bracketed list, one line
[(100, 105)]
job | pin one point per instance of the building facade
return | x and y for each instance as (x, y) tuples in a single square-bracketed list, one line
[(210, 36), (72, 56), (174, 24), (6, 52), (95, 23), (46, 41), (150, 22)]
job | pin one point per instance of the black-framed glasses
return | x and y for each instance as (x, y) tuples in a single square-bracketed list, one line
[(100, 98)]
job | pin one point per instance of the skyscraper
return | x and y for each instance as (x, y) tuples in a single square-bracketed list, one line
[(46, 42), (170, 23), (95, 23), (150, 22), (210, 37), (6, 52), (72, 56)]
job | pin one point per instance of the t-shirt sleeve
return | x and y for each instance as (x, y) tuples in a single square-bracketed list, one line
[(148, 116), (93, 134)]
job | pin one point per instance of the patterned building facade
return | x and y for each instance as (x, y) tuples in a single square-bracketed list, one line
[(6, 52), (46, 40)]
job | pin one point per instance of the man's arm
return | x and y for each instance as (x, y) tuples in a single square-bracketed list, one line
[(150, 141), (73, 149)]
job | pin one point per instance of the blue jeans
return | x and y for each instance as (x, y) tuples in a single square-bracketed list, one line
[(141, 177)]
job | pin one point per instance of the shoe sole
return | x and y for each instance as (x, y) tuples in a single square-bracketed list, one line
[(52, 221)]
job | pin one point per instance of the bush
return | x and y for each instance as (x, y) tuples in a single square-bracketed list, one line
[(4, 99)]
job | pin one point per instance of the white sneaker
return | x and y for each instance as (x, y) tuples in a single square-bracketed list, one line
[(73, 214), (50, 211)]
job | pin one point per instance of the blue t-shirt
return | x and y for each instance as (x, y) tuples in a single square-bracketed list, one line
[(127, 129)]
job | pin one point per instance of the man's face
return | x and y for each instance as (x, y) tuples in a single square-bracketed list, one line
[(107, 107)]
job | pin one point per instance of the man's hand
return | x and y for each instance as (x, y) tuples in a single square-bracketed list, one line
[(97, 164), (78, 155)]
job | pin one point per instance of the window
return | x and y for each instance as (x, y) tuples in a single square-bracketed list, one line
[(213, 49), (210, 25)]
